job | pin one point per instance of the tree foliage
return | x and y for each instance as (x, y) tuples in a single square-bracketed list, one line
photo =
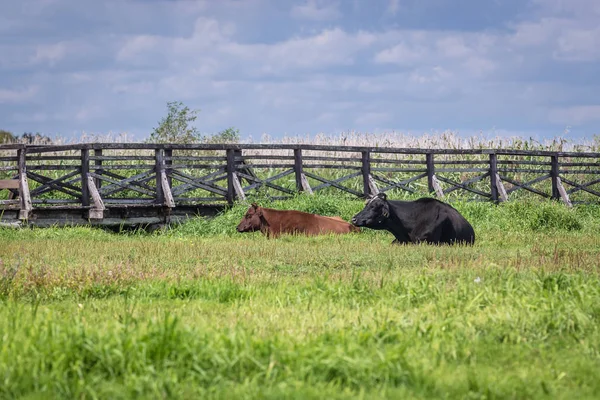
[(177, 126), (6, 137)]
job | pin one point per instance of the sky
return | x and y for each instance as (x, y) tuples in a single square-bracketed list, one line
[(302, 67)]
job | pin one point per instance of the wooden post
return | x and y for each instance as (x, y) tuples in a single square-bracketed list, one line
[(169, 162), (230, 176), (366, 172), (158, 169), (85, 170), (96, 212), (493, 176), (430, 171), (24, 194), (298, 171), (554, 174), (98, 169)]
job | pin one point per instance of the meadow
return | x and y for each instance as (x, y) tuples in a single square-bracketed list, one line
[(201, 311)]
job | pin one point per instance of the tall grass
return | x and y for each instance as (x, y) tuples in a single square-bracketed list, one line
[(201, 311)]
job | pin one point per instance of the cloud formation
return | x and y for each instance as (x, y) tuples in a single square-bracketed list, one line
[(300, 67)]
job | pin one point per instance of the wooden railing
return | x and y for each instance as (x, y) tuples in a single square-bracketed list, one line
[(96, 176)]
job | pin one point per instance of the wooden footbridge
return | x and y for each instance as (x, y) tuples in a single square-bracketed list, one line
[(153, 184)]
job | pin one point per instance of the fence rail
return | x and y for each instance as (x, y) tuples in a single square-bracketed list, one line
[(95, 177)]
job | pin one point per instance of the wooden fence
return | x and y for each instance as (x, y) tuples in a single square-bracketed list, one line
[(95, 177)]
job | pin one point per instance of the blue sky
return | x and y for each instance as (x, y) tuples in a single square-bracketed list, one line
[(514, 67)]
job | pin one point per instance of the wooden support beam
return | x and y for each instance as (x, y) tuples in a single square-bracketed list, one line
[(96, 212), (305, 186), (166, 188), (439, 192), (373, 185), (24, 193), (237, 186), (563, 193), (501, 189)]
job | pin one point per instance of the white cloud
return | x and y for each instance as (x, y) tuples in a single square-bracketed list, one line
[(393, 6), (579, 45), (575, 115), (317, 10), (10, 96)]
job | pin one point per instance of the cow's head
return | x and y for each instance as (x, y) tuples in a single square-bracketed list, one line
[(252, 220), (375, 213)]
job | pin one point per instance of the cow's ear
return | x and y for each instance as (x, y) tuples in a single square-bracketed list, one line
[(254, 205), (382, 195), (385, 211)]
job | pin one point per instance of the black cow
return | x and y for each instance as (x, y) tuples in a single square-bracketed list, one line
[(423, 220)]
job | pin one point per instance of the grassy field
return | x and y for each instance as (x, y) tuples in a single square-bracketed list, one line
[(201, 311)]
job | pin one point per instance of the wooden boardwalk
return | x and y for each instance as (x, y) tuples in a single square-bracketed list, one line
[(134, 183)]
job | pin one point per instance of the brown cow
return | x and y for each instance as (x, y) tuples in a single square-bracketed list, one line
[(276, 222)]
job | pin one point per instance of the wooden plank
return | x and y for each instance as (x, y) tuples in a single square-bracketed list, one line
[(96, 212), (519, 185), (402, 184), (192, 183), (107, 192), (439, 192), (334, 184), (49, 184), (328, 183), (138, 180), (9, 183), (237, 186), (266, 182), (305, 185), (169, 202), (583, 186), (357, 149), (463, 184), (501, 189), (373, 185), (563, 193), (24, 194)]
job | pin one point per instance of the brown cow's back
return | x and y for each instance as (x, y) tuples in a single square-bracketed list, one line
[(291, 221)]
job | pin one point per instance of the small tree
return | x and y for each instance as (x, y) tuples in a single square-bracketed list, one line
[(229, 135), (176, 126)]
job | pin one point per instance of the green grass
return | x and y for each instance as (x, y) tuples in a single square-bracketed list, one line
[(201, 311)]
